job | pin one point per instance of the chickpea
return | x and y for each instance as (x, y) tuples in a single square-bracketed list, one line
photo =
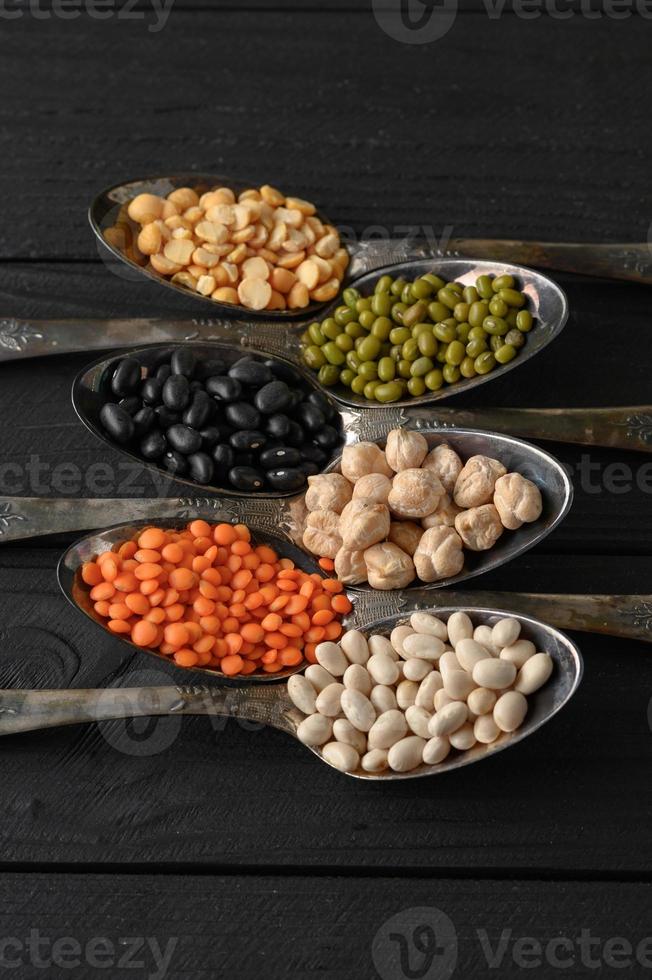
[(446, 464), (439, 554), (374, 486), (415, 493), (477, 480), (517, 500), (447, 511), (405, 450), (363, 458), (363, 523), (350, 567), (321, 535), (479, 527), (328, 491), (388, 567), (405, 534)]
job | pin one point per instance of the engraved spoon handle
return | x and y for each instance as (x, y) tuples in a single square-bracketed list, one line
[(28, 710), (29, 517), (628, 427)]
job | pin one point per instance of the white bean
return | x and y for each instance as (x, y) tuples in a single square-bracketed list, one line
[(505, 632), (463, 738), (318, 677), (442, 699), (485, 729), (427, 689), (458, 684), (406, 754), (383, 698), (315, 730), (510, 710), (406, 693), (422, 646), (380, 644), (398, 635), (481, 701), (358, 709), (449, 661), (342, 756), (331, 658), (459, 627), (534, 673), (302, 693), (518, 652), (423, 622), (357, 678), (375, 761), (344, 731), (482, 634), (387, 729), (354, 645), (448, 719), (469, 652), (329, 701), (382, 669), (418, 719), (415, 669), (435, 750), (494, 673)]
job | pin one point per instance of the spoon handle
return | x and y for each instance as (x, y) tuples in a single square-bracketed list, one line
[(28, 710), (628, 427)]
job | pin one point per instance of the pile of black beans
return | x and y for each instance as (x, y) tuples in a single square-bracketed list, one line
[(255, 426)]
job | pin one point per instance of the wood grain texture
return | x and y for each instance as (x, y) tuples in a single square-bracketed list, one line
[(330, 928)]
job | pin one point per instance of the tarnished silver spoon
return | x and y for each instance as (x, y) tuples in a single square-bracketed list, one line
[(22, 711)]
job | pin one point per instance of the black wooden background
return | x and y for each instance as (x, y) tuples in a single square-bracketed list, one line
[(235, 844)]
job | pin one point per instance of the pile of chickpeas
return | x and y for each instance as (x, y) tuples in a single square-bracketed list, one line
[(397, 702), (261, 250), (411, 338), (406, 511)]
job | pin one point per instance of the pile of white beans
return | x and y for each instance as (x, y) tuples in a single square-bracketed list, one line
[(399, 701)]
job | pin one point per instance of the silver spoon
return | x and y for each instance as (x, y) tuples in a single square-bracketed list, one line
[(22, 711)]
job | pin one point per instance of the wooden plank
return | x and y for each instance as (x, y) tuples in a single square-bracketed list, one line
[(201, 792), (199, 927)]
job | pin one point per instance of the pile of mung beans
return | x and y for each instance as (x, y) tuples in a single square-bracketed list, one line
[(411, 338)]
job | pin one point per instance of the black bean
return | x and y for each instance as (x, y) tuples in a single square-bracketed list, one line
[(144, 420), (251, 372), (320, 401), (277, 425), (126, 376), (176, 392), (201, 467), (166, 417), (199, 411), (242, 416), (209, 368), (223, 455), (309, 468), (153, 445), (247, 440), (286, 478), (196, 385), (272, 459), (246, 478), (183, 361), (327, 437), (151, 391), (295, 435), (310, 417), (210, 434), (118, 423), (285, 372), (163, 372), (223, 389), (175, 462), (297, 399), (184, 439), (130, 404), (273, 397), (314, 454)]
